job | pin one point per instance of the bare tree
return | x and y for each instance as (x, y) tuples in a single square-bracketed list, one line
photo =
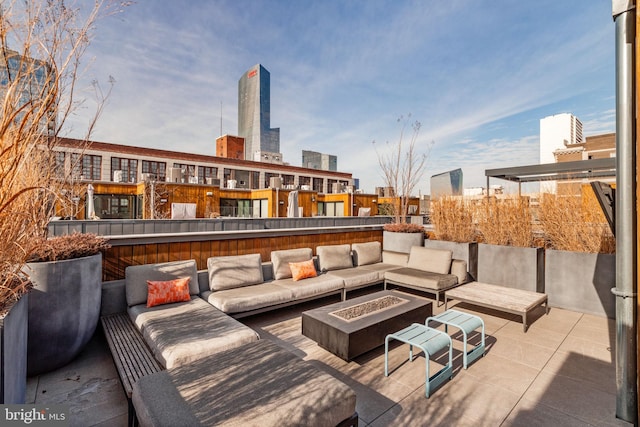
[(403, 167), (41, 47)]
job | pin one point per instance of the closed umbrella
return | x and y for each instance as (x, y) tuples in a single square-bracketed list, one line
[(292, 207), (91, 210)]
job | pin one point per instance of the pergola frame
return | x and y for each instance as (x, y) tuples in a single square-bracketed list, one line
[(593, 168)]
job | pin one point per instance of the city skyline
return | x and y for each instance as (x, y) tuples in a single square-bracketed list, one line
[(478, 76)]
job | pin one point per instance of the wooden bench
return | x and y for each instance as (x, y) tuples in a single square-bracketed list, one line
[(132, 357), (514, 301)]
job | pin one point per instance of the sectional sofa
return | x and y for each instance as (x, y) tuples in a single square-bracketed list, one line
[(194, 333)]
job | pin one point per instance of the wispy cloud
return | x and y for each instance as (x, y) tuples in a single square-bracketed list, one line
[(478, 76)]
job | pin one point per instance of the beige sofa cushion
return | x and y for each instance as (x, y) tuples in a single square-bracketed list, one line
[(136, 276), (414, 278), (260, 384), (312, 287), (281, 260), (334, 257), (248, 298), (367, 253), (228, 272), (356, 277), (180, 333), (395, 258), (428, 259)]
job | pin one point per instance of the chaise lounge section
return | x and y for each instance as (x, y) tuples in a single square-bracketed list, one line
[(429, 270), (181, 332), (259, 384)]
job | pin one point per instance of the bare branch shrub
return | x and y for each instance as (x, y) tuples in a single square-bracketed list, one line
[(154, 193), (452, 219), (70, 246), (41, 44), (404, 228), (505, 221), (569, 224), (403, 167)]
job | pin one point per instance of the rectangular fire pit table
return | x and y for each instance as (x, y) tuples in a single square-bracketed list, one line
[(353, 327)]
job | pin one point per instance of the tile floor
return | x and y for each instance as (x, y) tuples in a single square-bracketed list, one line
[(560, 372)]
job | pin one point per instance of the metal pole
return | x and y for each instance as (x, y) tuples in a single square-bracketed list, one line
[(626, 214)]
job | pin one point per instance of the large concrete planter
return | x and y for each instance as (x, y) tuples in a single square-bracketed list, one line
[(511, 266), (581, 281), (64, 309), (13, 353), (401, 242), (465, 251)]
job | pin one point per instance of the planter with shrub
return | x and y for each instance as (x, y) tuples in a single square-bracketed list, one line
[(64, 305)]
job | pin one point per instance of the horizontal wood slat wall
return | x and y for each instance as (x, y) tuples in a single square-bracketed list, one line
[(117, 258)]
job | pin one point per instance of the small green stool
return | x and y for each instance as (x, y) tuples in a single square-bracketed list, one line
[(466, 323), (430, 341)]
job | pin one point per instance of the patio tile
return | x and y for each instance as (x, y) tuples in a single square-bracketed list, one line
[(573, 397), (532, 355), (596, 329), (462, 401), (590, 348), (557, 320), (598, 322), (74, 376), (528, 413), (598, 374), (493, 320), (32, 390), (536, 336), (502, 372)]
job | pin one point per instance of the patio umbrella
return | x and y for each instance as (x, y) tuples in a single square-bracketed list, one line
[(292, 207), (91, 210)]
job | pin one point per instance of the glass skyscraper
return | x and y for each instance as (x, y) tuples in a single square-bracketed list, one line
[(254, 113)]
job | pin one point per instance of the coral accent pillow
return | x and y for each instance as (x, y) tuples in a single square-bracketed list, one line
[(176, 290), (302, 270)]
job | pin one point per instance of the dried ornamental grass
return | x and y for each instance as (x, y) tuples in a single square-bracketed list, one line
[(569, 224), (452, 220), (42, 44), (505, 221), (69, 246), (404, 228)]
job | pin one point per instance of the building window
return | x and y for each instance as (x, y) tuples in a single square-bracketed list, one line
[(205, 172), (236, 207), (288, 182), (255, 180), (59, 164), (188, 170), (267, 178), (157, 169), (260, 208), (109, 206), (86, 166), (128, 168), (317, 185), (330, 208)]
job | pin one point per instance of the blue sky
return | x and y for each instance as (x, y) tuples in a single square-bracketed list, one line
[(479, 75)]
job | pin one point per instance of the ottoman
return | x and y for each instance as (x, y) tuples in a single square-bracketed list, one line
[(258, 384)]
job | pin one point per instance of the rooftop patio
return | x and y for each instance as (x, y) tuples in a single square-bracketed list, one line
[(560, 372)]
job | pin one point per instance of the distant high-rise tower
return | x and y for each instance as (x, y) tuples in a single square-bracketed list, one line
[(254, 115), (315, 160), (557, 132)]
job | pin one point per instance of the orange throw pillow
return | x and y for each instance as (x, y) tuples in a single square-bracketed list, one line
[(176, 290), (302, 270)]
